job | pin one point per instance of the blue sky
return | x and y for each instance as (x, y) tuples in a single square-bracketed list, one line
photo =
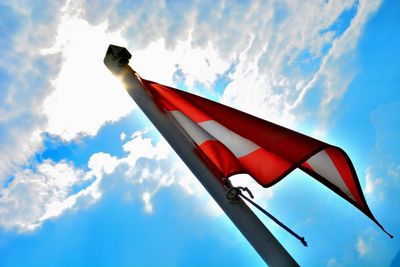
[(86, 180)]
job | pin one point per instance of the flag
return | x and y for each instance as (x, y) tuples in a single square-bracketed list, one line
[(246, 221), (230, 142)]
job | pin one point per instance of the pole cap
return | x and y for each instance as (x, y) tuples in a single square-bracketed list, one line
[(116, 58)]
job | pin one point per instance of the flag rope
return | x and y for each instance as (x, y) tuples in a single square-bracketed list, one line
[(234, 192)]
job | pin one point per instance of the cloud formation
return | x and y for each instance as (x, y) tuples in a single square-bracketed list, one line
[(373, 185), (275, 63), (85, 95), (362, 247), (34, 196), (383, 171), (25, 81)]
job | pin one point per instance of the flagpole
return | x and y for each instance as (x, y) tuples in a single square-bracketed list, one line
[(262, 240)]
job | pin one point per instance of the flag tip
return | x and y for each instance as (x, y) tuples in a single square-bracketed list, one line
[(386, 232), (382, 228), (391, 236), (303, 241)]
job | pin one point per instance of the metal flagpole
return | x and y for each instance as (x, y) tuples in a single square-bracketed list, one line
[(262, 240)]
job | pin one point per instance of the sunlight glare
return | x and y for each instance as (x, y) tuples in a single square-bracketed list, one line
[(86, 94)]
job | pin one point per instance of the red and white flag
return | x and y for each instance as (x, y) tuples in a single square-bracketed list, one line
[(233, 142)]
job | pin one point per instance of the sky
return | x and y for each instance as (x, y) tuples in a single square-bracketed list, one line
[(86, 180)]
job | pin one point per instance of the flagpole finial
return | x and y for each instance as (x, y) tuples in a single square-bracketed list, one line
[(116, 58)]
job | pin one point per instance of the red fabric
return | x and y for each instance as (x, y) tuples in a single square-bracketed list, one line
[(222, 158), (285, 143), (307, 166), (175, 101), (264, 166), (341, 165), (281, 149)]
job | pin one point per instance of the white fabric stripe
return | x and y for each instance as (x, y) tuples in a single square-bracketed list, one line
[(323, 165), (237, 144), (212, 130), (198, 135)]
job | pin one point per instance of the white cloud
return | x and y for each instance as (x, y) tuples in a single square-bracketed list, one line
[(171, 171), (372, 185), (394, 170), (263, 51), (146, 198), (149, 167), (139, 147), (25, 84), (269, 77), (271, 82), (86, 95), (333, 263), (34, 196), (362, 247), (382, 175), (335, 72), (100, 163), (122, 136)]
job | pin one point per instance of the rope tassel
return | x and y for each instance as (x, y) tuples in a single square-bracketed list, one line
[(234, 192)]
